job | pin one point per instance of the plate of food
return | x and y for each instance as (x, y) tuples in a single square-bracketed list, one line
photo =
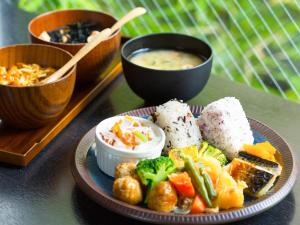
[(181, 164)]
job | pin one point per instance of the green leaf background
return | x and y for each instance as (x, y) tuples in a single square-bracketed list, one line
[(250, 45)]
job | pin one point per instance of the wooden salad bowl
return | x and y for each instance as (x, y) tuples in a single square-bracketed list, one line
[(94, 63), (38, 105)]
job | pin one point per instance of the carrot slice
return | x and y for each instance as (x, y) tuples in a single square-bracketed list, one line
[(183, 184), (198, 205)]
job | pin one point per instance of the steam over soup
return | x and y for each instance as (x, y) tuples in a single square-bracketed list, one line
[(164, 59)]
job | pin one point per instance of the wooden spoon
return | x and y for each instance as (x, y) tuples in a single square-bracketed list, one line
[(102, 36)]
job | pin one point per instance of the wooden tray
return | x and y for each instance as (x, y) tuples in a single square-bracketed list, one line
[(19, 147)]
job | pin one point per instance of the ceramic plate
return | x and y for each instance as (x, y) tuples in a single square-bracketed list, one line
[(98, 186)]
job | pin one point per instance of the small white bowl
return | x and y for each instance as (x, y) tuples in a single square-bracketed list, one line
[(108, 156)]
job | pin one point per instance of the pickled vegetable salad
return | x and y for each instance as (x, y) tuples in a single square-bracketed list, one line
[(198, 187), (129, 134), (192, 180)]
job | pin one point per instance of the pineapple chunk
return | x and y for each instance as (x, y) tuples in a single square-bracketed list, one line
[(191, 151), (230, 192)]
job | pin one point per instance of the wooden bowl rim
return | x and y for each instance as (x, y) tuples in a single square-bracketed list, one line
[(69, 10), (68, 74)]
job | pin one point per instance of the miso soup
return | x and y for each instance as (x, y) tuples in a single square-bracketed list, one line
[(165, 59)]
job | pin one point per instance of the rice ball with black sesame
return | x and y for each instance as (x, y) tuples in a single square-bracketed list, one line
[(179, 125)]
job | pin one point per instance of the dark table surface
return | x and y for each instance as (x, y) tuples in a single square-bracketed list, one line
[(45, 193)]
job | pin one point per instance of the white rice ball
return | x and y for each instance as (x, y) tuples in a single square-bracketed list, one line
[(179, 125), (224, 124)]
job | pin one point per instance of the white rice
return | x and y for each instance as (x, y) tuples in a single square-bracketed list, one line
[(224, 124), (179, 125)]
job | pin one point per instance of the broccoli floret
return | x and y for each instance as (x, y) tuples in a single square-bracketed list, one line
[(209, 150), (152, 171), (145, 170), (203, 147)]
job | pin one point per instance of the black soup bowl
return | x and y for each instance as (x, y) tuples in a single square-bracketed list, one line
[(157, 86)]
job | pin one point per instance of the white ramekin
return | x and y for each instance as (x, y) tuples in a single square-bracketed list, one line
[(109, 156)]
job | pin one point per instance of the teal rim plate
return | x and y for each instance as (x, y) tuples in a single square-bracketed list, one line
[(98, 186)]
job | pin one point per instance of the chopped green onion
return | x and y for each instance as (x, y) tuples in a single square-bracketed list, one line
[(141, 136)]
